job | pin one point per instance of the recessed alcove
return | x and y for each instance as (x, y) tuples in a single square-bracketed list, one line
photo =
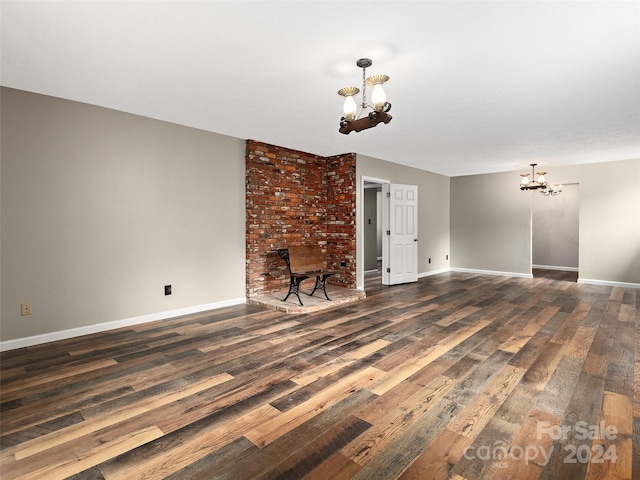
[(294, 197)]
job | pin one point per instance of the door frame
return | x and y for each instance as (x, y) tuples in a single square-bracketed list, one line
[(360, 220)]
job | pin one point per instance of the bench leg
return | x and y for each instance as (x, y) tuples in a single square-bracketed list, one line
[(294, 287), (321, 284)]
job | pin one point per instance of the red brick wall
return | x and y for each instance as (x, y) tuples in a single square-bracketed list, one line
[(292, 198)]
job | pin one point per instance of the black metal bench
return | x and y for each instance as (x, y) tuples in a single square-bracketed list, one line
[(305, 261)]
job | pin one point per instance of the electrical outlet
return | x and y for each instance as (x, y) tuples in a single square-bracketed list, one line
[(167, 289), (25, 309)]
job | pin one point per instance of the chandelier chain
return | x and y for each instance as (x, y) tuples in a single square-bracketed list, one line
[(364, 88)]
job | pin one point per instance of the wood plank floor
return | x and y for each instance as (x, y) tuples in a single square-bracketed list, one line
[(458, 376)]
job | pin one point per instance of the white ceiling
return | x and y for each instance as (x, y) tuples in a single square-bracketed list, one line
[(476, 87)]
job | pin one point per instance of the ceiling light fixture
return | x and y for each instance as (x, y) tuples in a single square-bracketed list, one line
[(540, 183), (356, 123)]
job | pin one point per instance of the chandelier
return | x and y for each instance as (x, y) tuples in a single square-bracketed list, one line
[(379, 105), (540, 183)]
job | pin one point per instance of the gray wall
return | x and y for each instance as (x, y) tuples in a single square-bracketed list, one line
[(555, 229), (101, 209), (609, 220), (491, 221), (490, 224), (433, 209)]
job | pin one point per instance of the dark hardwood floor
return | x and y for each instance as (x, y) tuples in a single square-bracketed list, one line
[(458, 376)]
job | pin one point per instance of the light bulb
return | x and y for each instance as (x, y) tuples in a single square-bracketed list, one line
[(378, 97), (349, 107)]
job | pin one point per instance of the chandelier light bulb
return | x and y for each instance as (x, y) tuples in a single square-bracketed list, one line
[(541, 179), (378, 97), (349, 108), (525, 179)]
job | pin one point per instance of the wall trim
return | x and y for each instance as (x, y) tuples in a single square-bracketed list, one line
[(552, 267), (607, 283), (433, 272), (126, 322), (492, 272)]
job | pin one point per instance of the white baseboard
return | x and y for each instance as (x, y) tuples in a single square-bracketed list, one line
[(553, 267), (607, 283), (492, 272), (526, 275), (467, 270), (101, 327), (433, 272)]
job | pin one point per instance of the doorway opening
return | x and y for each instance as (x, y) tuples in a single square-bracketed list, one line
[(372, 227), (371, 252), (555, 234)]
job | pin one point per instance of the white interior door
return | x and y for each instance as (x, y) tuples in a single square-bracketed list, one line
[(400, 238)]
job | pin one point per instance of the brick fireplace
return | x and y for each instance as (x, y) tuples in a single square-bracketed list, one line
[(294, 197)]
